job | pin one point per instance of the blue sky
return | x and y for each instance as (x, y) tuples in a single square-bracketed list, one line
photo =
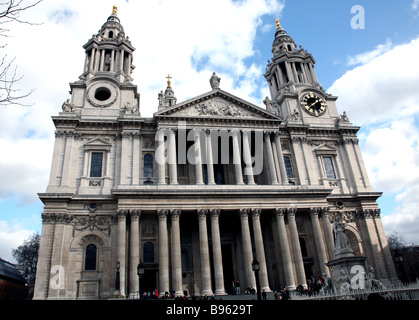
[(374, 71)]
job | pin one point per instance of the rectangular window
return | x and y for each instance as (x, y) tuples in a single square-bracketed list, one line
[(96, 165), (328, 166)]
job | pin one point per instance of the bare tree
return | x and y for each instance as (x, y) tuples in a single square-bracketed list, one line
[(9, 13)]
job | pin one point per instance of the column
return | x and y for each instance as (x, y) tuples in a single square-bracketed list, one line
[(160, 157), (97, 58), (102, 59), (216, 253), (121, 60), (112, 61), (248, 171), (247, 248), (67, 171), (121, 247), (271, 163), (237, 157), (136, 158), (172, 157), (210, 160), (176, 254), (204, 253), (260, 250), (281, 158), (296, 249), (318, 239), (92, 58), (328, 232), (198, 158), (134, 250), (163, 252), (285, 249)]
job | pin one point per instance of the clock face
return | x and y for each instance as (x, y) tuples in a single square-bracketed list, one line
[(313, 104)]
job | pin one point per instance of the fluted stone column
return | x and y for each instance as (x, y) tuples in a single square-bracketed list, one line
[(122, 231), (198, 158), (247, 248), (285, 249), (172, 157), (163, 252), (216, 253), (296, 249), (318, 239), (248, 171), (204, 253), (176, 254), (282, 168), (260, 250), (160, 157), (210, 162), (271, 163), (237, 157), (134, 250)]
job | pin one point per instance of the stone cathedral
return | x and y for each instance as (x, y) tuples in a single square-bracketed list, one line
[(204, 187)]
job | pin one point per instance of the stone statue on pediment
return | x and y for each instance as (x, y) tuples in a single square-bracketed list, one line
[(215, 81)]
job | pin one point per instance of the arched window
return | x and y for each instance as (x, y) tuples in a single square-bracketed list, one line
[(288, 167), (90, 257), (148, 165), (110, 34), (148, 252)]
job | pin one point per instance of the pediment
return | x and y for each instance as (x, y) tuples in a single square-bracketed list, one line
[(97, 144), (217, 104), (325, 149)]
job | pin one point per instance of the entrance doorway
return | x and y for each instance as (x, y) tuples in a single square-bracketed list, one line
[(149, 280), (227, 254)]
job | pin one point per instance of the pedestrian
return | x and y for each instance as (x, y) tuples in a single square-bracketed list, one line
[(234, 287), (237, 287), (264, 295)]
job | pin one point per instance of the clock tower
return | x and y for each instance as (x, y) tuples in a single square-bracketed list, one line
[(295, 91)]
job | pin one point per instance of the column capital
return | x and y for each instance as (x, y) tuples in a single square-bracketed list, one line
[(314, 212), (122, 215), (280, 212), (175, 214), (256, 213), (163, 213), (135, 214), (291, 212), (244, 213), (203, 213), (215, 213)]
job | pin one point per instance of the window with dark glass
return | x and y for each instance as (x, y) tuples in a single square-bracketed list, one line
[(96, 165), (148, 165), (90, 258), (148, 252), (288, 167), (328, 167)]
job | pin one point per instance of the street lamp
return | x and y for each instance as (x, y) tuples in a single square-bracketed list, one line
[(140, 273), (256, 268), (117, 281)]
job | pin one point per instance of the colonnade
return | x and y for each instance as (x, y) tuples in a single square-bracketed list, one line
[(167, 153), (252, 247)]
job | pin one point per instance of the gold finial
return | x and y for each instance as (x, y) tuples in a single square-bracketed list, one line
[(278, 25), (168, 81), (115, 10)]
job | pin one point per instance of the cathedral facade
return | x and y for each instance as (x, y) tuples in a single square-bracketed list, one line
[(203, 188)]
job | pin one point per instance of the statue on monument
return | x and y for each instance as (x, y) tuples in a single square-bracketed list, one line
[(340, 238), (68, 106)]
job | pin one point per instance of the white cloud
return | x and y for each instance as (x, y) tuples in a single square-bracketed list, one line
[(11, 237), (381, 95), (367, 57)]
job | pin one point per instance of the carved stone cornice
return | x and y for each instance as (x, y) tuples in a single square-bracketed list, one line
[(52, 218)]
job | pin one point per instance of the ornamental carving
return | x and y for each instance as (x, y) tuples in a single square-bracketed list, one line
[(219, 108), (93, 222)]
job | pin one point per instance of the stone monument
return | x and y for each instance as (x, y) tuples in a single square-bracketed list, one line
[(345, 265)]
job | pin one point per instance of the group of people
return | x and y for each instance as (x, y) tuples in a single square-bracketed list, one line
[(314, 285)]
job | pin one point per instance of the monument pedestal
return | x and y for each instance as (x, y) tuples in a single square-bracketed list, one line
[(351, 266)]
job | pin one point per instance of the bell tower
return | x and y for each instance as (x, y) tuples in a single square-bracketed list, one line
[(105, 87), (295, 91)]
